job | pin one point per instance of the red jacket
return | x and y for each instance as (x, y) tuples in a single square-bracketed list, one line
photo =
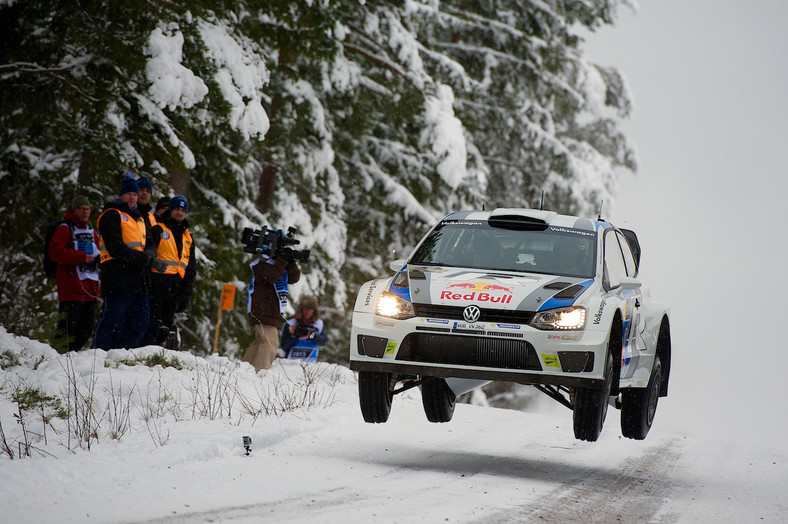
[(62, 250)]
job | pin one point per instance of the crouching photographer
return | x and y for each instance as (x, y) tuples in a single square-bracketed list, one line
[(303, 334), (273, 269)]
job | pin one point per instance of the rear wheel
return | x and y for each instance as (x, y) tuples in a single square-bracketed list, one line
[(374, 395), (438, 400), (638, 406)]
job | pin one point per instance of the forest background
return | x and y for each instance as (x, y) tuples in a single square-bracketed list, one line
[(358, 122)]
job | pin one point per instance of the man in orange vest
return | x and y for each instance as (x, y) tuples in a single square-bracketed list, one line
[(172, 287), (123, 271)]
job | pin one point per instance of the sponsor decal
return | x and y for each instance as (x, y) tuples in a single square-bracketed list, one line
[(581, 232), (480, 286), (551, 361), (384, 323), (370, 292), (434, 321), (598, 314), (477, 292), (506, 326), (475, 296), (391, 347), (561, 337)]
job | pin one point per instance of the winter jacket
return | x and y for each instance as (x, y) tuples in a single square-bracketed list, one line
[(178, 282), (297, 347), (124, 269), (70, 253), (175, 246), (263, 302)]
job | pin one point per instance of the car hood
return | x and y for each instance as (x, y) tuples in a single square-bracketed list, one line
[(487, 289)]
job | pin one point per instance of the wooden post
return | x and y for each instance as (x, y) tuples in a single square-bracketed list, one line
[(228, 296)]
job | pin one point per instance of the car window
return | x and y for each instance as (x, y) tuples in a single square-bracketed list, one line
[(615, 267), (476, 244), (629, 260)]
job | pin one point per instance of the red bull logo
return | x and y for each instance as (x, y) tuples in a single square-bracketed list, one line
[(477, 292)]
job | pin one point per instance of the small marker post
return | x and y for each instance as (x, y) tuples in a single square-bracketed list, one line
[(228, 296)]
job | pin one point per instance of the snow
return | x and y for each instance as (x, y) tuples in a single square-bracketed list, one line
[(181, 457), (172, 84), (241, 76)]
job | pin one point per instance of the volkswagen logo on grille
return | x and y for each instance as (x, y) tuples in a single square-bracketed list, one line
[(471, 313)]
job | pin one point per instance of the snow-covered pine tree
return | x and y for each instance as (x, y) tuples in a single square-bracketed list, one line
[(358, 122)]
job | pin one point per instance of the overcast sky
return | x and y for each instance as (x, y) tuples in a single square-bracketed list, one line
[(710, 199)]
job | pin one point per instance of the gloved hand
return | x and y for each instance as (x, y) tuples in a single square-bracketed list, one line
[(154, 234), (157, 265)]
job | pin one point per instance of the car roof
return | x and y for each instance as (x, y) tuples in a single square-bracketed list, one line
[(525, 216)]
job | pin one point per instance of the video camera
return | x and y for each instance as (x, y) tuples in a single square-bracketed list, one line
[(274, 243), (303, 329)]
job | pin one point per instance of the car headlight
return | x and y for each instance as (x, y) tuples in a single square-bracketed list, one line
[(393, 306), (564, 319)]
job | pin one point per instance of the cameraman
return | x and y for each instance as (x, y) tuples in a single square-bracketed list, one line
[(303, 334), (266, 306)]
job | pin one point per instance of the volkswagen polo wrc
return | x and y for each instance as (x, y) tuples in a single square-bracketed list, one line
[(520, 295)]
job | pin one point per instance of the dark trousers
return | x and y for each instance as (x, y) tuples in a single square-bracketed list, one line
[(75, 326), (165, 292), (124, 319)]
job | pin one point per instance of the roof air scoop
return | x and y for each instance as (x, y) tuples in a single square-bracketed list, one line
[(521, 219)]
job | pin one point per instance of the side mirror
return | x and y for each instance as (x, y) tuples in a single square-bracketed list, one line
[(398, 264), (630, 283)]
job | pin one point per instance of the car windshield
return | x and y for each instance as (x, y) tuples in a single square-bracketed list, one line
[(465, 243)]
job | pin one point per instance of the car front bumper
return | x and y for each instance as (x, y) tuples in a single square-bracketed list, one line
[(480, 351)]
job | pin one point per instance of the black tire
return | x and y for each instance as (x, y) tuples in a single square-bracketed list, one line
[(591, 406), (374, 395), (638, 406), (438, 400)]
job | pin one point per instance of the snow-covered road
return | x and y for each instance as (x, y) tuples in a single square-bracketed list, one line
[(324, 464)]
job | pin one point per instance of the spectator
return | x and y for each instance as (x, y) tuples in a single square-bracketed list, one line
[(303, 334), (266, 306), (161, 207), (74, 246), (143, 201), (123, 271), (170, 290)]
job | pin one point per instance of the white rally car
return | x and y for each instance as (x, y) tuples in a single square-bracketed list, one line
[(517, 295)]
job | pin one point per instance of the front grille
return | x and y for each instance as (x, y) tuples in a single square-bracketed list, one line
[(487, 315), (469, 351)]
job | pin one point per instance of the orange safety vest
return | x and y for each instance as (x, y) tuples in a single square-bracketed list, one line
[(132, 231), (168, 252)]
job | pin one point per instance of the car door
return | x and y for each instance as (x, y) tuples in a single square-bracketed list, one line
[(620, 263)]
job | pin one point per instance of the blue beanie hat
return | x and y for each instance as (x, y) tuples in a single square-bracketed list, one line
[(178, 201), (129, 184), (144, 182)]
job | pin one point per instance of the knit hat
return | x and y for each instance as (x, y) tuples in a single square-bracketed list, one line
[(163, 202), (129, 184), (144, 182), (178, 201), (79, 201)]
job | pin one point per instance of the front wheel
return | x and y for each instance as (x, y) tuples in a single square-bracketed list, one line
[(374, 395), (438, 400), (638, 406), (591, 406)]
